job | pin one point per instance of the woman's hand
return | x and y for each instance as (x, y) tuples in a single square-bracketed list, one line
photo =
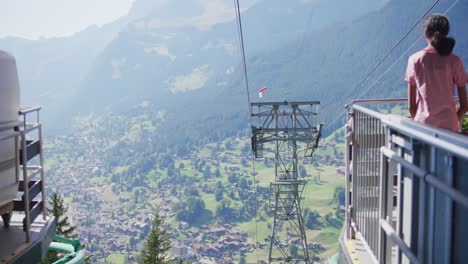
[(412, 100), (463, 102)]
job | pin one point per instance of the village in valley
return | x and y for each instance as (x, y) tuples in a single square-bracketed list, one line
[(207, 198)]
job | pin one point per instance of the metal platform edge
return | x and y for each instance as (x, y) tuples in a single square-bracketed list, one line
[(34, 251), (344, 256)]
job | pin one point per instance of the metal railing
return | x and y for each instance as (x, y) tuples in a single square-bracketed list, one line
[(407, 187), (21, 132), (32, 208)]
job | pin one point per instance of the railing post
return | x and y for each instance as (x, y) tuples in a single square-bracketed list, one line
[(385, 205), (400, 201), (431, 207), (419, 158), (41, 164), (382, 207), (448, 161), (348, 149), (353, 169), (17, 158), (25, 185)]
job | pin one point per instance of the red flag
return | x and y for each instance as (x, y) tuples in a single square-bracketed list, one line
[(260, 92)]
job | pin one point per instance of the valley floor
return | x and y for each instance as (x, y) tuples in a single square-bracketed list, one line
[(113, 204)]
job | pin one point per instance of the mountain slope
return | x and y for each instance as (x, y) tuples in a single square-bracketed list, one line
[(333, 61), (178, 49), (210, 101), (51, 69)]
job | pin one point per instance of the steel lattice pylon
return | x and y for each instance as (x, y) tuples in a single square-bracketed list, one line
[(286, 128)]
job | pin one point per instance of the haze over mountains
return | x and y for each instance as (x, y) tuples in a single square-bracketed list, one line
[(173, 51), (149, 49), (183, 57)]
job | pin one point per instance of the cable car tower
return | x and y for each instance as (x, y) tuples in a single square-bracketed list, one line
[(286, 128)]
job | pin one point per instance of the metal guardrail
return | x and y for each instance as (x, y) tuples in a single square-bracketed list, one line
[(26, 129), (407, 187), (20, 131)]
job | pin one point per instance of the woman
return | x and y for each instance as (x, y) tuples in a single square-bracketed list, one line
[(432, 74)]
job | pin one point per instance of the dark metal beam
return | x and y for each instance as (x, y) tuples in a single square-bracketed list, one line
[(285, 103)]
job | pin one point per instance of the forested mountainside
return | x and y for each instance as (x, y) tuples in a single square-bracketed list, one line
[(146, 54), (325, 65), (52, 69), (334, 59), (173, 60), (204, 101)]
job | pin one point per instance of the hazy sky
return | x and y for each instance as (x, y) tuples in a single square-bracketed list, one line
[(49, 18)]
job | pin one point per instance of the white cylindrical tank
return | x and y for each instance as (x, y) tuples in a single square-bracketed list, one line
[(9, 107)]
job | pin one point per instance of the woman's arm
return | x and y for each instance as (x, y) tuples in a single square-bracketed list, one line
[(463, 102), (412, 100)]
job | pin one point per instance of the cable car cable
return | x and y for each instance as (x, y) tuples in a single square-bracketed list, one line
[(387, 55), (374, 68), (244, 64), (242, 49)]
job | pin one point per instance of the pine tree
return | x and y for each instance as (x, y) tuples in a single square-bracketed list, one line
[(59, 211), (157, 245), (242, 259)]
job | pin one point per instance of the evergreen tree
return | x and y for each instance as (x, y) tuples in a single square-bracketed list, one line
[(294, 250), (302, 171), (157, 245), (339, 196), (218, 195), (217, 173), (329, 217), (132, 243), (243, 184), (242, 259), (190, 209), (232, 178), (312, 220), (58, 210)]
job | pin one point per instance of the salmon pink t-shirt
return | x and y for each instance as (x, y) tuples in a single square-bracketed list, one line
[(435, 77)]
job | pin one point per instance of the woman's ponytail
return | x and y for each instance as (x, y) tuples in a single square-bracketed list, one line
[(437, 29), (443, 44)]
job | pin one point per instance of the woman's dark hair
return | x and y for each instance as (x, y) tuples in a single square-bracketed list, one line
[(437, 29)]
